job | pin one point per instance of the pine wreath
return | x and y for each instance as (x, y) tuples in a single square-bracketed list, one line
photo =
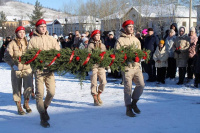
[(80, 61)]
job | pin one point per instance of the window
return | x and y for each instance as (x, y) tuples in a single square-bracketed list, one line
[(194, 24), (184, 23)]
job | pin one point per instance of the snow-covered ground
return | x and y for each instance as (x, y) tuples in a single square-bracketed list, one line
[(165, 109)]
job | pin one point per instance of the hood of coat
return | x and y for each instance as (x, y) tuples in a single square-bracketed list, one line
[(184, 34), (175, 25)]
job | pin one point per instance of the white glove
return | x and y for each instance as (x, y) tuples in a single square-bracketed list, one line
[(15, 68), (90, 73), (109, 70)]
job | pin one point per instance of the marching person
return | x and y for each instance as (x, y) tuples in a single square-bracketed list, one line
[(21, 74), (41, 40), (95, 43), (132, 71), (160, 57), (181, 47)]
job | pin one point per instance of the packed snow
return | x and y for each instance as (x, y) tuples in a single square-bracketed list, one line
[(165, 108)]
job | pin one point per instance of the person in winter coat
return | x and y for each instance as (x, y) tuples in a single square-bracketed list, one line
[(110, 41), (151, 42), (160, 57), (192, 52), (132, 72), (84, 43), (97, 71), (3, 48), (169, 42), (197, 67), (181, 47), (174, 27), (21, 74), (42, 41)]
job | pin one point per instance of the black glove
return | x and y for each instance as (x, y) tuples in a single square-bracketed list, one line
[(178, 51)]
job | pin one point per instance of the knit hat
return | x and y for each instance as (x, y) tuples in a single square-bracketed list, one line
[(19, 28), (40, 22), (128, 22), (85, 39), (172, 31), (145, 31), (150, 29), (192, 29), (111, 33), (83, 35), (162, 42), (95, 32)]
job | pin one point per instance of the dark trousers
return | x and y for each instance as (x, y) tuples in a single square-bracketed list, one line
[(182, 72), (197, 78), (171, 69), (151, 70), (161, 72), (190, 71)]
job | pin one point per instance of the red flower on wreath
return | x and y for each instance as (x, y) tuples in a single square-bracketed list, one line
[(41, 61), (145, 57), (77, 58)]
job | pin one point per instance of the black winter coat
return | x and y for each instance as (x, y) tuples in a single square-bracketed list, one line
[(150, 43)]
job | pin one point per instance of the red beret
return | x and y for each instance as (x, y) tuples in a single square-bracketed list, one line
[(127, 23), (39, 22), (31, 33), (95, 32), (19, 28)]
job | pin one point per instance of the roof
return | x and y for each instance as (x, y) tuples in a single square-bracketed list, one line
[(155, 11), (82, 19)]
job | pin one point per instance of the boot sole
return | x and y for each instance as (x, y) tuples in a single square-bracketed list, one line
[(45, 126)]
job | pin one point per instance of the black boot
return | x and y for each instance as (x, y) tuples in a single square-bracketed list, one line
[(134, 106), (129, 111), (46, 114), (44, 121)]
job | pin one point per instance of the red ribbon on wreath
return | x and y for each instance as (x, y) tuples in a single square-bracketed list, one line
[(102, 55), (113, 59), (125, 58), (36, 55), (87, 59), (145, 57), (20, 59), (71, 57), (54, 59)]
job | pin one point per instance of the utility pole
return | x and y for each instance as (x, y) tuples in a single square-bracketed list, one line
[(190, 14)]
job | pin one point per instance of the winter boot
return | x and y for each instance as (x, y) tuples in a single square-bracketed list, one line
[(32, 94), (46, 114), (44, 121), (96, 102), (129, 111), (134, 106), (98, 97), (26, 105), (19, 108)]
